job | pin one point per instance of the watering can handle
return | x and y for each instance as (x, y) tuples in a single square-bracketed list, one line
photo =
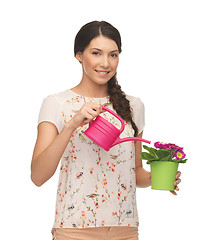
[(118, 117)]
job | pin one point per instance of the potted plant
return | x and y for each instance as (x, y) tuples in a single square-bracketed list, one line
[(163, 160)]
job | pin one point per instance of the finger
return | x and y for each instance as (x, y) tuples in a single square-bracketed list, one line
[(173, 192), (178, 174), (91, 112), (177, 181), (88, 117), (86, 114), (99, 110), (102, 110), (91, 105), (96, 106), (94, 112)]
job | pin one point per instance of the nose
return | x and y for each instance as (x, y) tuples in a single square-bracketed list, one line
[(104, 62)]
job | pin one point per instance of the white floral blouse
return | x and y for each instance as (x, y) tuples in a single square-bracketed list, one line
[(96, 188)]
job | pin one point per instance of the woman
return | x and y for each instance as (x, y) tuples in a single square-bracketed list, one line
[(96, 191)]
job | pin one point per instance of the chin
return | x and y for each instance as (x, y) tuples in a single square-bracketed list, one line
[(102, 81)]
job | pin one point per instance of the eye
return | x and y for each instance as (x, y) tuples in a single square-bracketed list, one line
[(95, 53), (114, 55)]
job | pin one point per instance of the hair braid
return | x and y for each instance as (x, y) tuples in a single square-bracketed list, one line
[(120, 102)]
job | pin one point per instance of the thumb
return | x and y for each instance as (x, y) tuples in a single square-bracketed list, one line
[(102, 111)]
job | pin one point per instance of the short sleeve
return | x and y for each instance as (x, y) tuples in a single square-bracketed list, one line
[(50, 111), (138, 114)]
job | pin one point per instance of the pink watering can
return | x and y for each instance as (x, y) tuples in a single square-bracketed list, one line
[(105, 134)]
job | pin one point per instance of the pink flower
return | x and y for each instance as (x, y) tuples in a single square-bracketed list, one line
[(179, 154), (168, 146), (173, 146), (157, 144), (162, 145)]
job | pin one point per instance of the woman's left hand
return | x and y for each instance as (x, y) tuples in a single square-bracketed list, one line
[(177, 181)]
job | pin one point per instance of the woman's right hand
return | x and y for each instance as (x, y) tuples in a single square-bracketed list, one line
[(86, 114)]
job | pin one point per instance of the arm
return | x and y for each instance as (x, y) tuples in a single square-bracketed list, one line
[(50, 145), (48, 150), (143, 177)]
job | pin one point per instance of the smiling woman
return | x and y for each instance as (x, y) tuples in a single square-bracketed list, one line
[(96, 195)]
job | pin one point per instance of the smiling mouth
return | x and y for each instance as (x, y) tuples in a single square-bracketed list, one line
[(102, 72)]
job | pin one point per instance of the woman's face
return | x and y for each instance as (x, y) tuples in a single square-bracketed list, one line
[(99, 60)]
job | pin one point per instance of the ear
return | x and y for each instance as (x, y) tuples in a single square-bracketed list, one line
[(79, 57)]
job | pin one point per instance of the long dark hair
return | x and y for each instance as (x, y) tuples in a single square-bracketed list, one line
[(118, 98)]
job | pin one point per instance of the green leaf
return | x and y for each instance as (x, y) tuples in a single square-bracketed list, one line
[(168, 158), (149, 161), (164, 155), (152, 151), (182, 161), (147, 156)]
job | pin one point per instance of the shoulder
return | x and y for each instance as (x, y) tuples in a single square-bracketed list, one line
[(138, 111), (58, 98), (52, 107), (60, 95), (53, 103), (135, 102)]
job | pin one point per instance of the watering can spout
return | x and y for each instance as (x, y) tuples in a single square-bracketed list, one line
[(121, 140)]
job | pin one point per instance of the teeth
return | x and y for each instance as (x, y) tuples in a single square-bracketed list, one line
[(102, 72)]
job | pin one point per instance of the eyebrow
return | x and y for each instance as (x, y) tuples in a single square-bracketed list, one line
[(101, 50)]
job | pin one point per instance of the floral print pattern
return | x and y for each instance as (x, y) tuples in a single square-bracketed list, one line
[(96, 188)]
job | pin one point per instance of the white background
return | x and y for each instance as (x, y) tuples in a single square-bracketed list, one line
[(167, 61)]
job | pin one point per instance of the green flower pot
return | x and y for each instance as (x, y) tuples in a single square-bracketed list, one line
[(163, 175)]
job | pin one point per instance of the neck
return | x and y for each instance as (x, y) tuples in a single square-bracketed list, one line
[(91, 90)]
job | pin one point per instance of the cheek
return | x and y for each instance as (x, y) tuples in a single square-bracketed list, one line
[(114, 64), (90, 62), (86, 65)]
